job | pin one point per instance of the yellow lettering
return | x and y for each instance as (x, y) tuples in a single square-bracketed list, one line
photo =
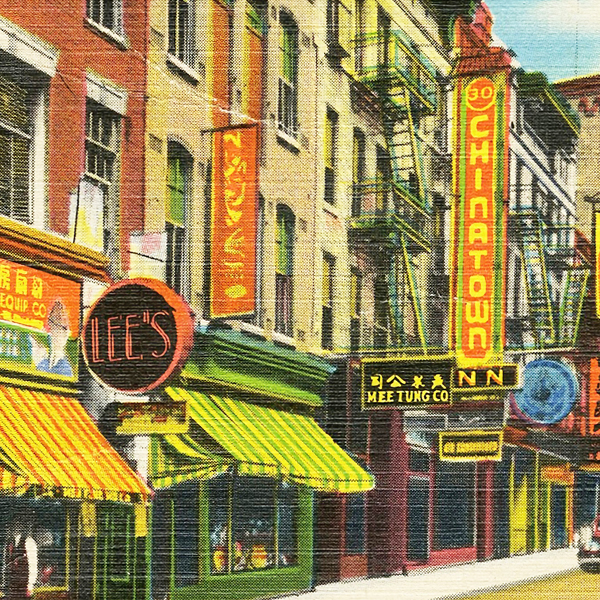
[(483, 153), (497, 379), (477, 286), (478, 201), (479, 133), (481, 333), (478, 231), (463, 376), (477, 254), (481, 310)]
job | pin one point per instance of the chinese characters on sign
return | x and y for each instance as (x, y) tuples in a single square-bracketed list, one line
[(233, 225), (39, 319), (480, 184), (408, 383)]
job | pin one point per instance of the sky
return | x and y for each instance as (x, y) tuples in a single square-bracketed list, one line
[(559, 37)]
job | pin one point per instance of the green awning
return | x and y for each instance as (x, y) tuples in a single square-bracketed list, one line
[(269, 442), (179, 458)]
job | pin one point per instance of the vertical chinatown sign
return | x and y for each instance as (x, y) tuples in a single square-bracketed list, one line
[(594, 398), (480, 185), (233, 221)]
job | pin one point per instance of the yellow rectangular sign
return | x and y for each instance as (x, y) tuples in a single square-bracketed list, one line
[(470, 445)]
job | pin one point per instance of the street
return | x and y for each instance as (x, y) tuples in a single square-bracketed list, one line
[(573, 585)]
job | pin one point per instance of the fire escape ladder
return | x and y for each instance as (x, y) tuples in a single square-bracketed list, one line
[(534, 262), (575, 288), (414, 293)]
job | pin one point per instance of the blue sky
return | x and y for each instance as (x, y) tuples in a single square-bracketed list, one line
[(559, 37)]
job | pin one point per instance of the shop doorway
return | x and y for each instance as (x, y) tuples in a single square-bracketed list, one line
[(558, 516), (115, 556), (418, 519)]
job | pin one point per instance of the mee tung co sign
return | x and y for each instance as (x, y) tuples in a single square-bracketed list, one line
[(137, 335)]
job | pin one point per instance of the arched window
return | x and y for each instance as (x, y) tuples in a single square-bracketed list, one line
[(179, 172), (284, 265)]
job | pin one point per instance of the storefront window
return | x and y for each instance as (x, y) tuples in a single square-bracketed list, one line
[(40, 529), (454, 505), (252, 524), (185, 517)]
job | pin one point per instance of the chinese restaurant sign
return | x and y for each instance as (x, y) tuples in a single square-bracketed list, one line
[(151, 418), (480, 185), (233, 223), (594, 398), (137, 335), (409, 383), (470, 445), (39, 320)]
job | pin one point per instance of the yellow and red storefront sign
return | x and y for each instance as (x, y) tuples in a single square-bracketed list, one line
[(594, 398), (480, 233), (233, 224), (39, 320)]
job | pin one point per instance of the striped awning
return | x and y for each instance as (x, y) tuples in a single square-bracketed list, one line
[(274, 443), (48, 442)]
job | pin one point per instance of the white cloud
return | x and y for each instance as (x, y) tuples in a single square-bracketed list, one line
[(568, 16)]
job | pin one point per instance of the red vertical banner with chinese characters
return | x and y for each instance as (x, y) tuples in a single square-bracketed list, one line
[(233, 222), (594, 398)]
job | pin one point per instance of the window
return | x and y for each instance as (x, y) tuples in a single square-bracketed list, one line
[(288, 76), (45, 524), (15, 148), (186, 533), (327, 296), (330, 147), (252, 524), (99, 198), (358, 171), (181, 31), (284, 253), (179, 169), (107, 14), (337, 23), (354, 538), (355, 294), (254, 58)]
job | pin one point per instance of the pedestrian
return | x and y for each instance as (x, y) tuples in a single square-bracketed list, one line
[(21, 560)]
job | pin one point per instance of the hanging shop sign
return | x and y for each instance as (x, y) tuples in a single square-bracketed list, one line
[(39, 321), (137, 335), (408, 383), (151, 418), (480, 185), (548, 394), (560, 474), (470, 445), (594, 398), (233, 222)]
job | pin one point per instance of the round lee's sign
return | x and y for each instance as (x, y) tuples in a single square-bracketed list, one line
[(137, 335)]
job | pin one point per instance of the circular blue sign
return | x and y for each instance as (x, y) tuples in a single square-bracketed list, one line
[(549, 392)]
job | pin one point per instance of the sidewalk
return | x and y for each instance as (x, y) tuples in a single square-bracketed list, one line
[(452, 581)]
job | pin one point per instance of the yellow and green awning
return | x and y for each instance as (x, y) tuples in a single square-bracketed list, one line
[(49, 443), (261, 441)]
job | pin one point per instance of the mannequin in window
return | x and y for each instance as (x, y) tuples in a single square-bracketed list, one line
[(21, 558)]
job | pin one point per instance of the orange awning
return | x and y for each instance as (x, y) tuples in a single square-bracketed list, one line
[(49, 442)]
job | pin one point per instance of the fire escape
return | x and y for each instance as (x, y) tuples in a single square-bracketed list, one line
[(549, 254), (392, 214)]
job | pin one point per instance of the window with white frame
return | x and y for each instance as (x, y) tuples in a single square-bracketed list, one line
[(106, 13), (99, 196), (288, 76), (181, 32), (16, 143)]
